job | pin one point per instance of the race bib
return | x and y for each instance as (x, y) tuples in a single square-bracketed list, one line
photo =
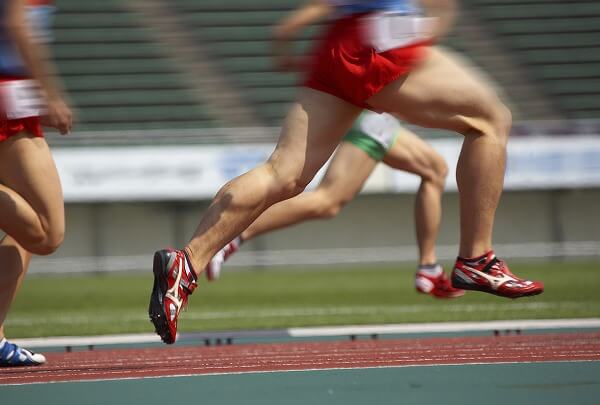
[(388, 30), (21, 99), (382, 128)]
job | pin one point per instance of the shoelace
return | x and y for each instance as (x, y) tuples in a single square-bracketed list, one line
[(500, 265), (495, 263)]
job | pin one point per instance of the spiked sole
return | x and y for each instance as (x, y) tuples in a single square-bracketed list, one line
[(156, 309)]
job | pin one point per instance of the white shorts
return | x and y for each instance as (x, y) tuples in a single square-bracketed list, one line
[(382, 128)]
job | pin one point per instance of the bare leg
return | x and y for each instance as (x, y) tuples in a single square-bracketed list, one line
[(427, 97), (412, 154), (31, 198), (33, 212), (336, 189), (14, 261), (312, 130)]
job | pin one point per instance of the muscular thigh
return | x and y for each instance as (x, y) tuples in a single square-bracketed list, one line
[(312, 130), (442, 92), (27, 167)]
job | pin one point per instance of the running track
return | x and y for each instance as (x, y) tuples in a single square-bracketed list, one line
[(118, 364)]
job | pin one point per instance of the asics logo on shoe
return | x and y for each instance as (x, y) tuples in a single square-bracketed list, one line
[(495, 281), (174, 291), (463, 276)]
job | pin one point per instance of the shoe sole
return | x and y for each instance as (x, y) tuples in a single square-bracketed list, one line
[(476, 287), (156, 309)]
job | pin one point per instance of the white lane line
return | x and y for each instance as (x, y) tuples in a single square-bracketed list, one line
[(443, 327), (138, 338), (584, 323)]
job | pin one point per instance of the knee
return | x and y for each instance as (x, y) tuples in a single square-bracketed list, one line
[(53, 242), (327, 206), (47, 243), (503, 122), (499, 118), (288, 187), (440, 172), (287, 183)]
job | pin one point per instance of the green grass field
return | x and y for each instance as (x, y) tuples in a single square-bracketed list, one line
[(117, 303)]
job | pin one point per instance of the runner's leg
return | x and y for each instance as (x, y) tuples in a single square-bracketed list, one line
[(428, 98), (411, 154), (335, 190), (33, 211), (14, 261), (312, 130)]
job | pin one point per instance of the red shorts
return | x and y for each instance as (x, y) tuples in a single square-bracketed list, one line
[(10, 128), (345, 66)]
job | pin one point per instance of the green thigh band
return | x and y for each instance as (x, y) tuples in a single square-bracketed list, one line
[(364, 142)]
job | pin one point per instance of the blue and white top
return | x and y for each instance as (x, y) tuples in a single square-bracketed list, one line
[(365, 6), (39, 19)]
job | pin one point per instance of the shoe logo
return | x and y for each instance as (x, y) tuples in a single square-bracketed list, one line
[(173, 292), (177, 273), (495, 282), (463, 276)]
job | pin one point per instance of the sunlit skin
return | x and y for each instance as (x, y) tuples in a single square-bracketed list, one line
[(408, 153), (31, 199), (317, 121)]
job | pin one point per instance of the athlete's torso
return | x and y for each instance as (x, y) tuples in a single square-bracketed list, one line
[(39, 15)]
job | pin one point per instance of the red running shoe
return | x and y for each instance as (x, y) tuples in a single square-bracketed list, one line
[(174, 281), (213, 269), (437, 286), (490, 274)]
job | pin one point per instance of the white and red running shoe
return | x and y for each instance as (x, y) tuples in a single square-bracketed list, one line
[(492, 275), (435, 283), (174, 281), (213, 269)]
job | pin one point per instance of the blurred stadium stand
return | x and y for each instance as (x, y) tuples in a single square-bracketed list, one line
[(557, 44), (117, 75), (123, 75), (238, 35)]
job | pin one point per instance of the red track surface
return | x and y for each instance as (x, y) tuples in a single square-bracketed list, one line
[(169, 361)]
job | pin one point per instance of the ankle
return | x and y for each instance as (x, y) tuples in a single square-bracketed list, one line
[(432, 270), (188, 254), (476, 258)]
